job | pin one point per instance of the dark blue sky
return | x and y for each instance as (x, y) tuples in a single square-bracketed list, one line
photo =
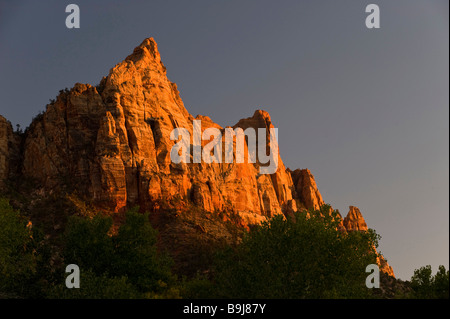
[(367, 111)]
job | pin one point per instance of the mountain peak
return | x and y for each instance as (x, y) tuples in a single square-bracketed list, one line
[(354, 220), (148, 49), (260, 119)]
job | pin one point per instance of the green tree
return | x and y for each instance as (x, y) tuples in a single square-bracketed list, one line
[(301, 257), (129, 257), (93, 286), (87, 243), (18, 258), (427, 286), (441, 283), (137, 257)]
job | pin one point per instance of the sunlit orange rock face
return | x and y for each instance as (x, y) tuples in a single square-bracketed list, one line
[(111, 143), (354, 220)]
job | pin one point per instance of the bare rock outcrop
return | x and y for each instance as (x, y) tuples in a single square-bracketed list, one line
[(354, 220), (306, 188)]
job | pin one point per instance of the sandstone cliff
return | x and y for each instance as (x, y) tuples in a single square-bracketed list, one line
[(111, 144)]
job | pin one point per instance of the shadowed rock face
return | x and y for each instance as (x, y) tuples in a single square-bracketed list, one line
[(111, 143), (306, 188), (5, 133), (9, 151)]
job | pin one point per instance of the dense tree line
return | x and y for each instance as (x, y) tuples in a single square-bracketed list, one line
[(305, 256)]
